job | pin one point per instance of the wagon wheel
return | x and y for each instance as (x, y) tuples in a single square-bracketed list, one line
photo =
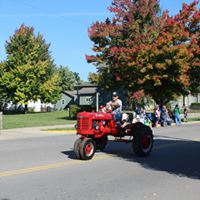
[(101, 142), (143, 141), (77, 148), (87, 149)]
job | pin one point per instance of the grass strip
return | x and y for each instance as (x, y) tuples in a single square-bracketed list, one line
[(36, 119)]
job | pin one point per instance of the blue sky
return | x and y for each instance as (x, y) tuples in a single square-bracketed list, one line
[(64, 24)]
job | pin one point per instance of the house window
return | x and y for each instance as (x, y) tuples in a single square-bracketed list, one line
[(63, 101), (88, 99)]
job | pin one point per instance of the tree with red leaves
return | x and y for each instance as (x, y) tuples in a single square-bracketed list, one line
[(142, 48)]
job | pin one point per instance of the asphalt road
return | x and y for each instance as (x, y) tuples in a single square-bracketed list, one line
[(43, 167)]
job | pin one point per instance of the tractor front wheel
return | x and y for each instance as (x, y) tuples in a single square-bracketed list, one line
[(77, 148), (87, 149)]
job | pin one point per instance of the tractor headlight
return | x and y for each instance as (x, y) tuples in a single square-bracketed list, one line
[(95, 125)]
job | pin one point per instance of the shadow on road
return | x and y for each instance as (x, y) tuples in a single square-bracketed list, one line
[(180, 157), (172, 155), (4, 199), (70, 154)]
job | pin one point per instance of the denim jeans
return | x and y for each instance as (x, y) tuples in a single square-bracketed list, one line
[(117, 116), (178, 119)]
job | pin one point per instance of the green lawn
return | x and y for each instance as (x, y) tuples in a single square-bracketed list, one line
[(36, 119), (193, 119), (42, 119)]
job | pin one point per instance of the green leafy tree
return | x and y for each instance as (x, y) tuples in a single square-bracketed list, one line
[(4, 97), (144, 49), (77, 78), (67, 78), (28, 74), (94, 78)]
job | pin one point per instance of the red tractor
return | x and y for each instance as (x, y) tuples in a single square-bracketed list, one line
[(95, 127)]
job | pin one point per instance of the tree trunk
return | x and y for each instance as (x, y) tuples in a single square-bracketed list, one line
[(25, 109)]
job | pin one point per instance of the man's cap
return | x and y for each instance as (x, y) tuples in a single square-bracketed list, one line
[(115, 94)]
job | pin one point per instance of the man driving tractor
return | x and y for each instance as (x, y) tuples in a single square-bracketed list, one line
[(116, 106)]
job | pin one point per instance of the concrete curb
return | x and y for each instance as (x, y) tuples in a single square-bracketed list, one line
[(32, 132)]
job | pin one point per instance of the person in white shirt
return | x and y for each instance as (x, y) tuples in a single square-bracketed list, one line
[(116, 105)]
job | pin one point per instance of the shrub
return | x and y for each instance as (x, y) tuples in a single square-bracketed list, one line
[(88, 108), (195, 106), (73, 110), (14, 110)]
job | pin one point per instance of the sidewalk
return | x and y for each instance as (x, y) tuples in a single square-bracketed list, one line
[(28, 132), (182, 123)]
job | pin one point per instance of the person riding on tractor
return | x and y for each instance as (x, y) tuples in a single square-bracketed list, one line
[(116, 106)]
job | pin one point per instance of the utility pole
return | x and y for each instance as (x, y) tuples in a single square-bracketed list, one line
[(1, 121), (97, 102)]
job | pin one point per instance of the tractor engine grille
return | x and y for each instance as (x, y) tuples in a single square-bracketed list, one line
[(83, 123)]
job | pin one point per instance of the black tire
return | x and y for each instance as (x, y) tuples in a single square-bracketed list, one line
[(77, 148), (101, 143), (87, 149), (143, 141)]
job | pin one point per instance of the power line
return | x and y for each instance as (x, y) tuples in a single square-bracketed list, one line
[(48, 13)]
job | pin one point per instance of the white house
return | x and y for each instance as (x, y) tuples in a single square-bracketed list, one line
[(37, 106)]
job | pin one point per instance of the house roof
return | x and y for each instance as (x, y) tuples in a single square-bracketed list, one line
[(87, 90), (81, 90), (69, 93), (86, 85)]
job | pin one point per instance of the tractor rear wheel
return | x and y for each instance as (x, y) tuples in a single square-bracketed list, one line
[(87, 149), (143, 141)]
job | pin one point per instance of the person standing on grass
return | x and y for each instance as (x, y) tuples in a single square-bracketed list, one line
[(168, 117), (156, 116), (177, 115), (185, 113), (162, 115)]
